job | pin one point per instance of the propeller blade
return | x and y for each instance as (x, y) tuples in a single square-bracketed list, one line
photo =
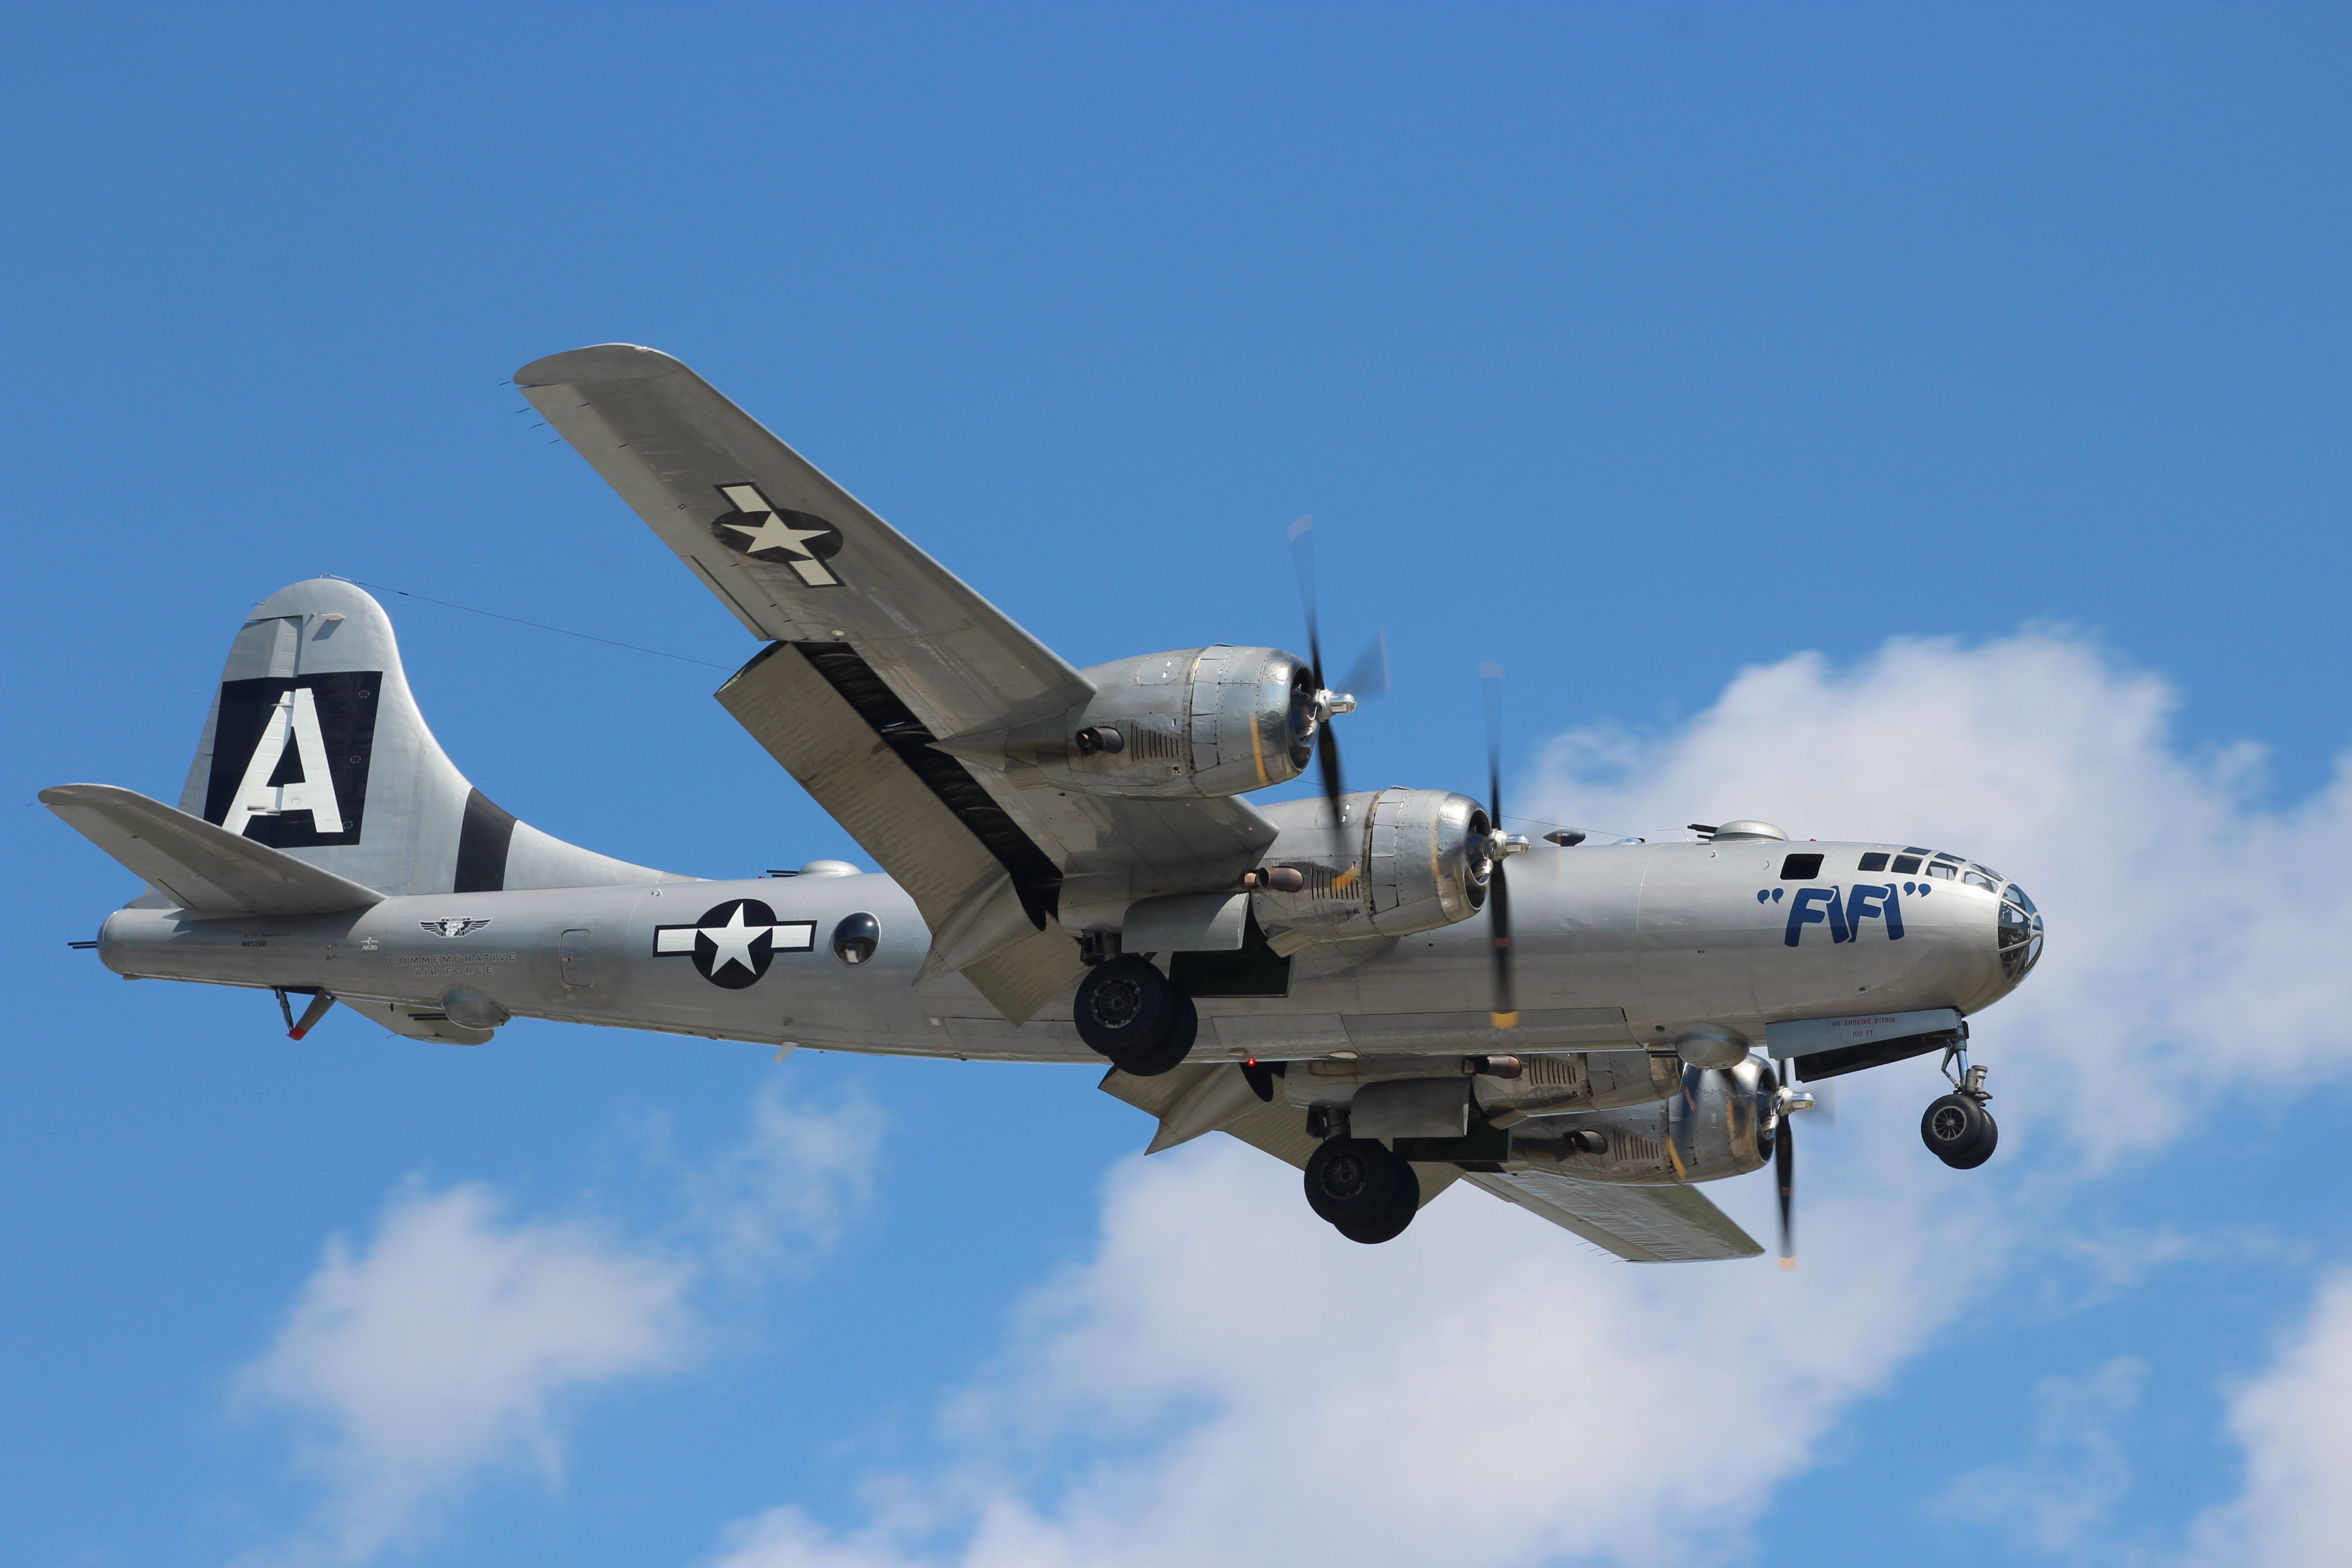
[(1369, 676), (1784, 1170), (1326, 744), (1302, 557), (1506, 1012), (1327, 752), (1505, 1015)]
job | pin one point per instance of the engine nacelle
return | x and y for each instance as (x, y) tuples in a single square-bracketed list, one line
[(1547, 1086), (1721, 1124), (1398, 861), (1201, 721)]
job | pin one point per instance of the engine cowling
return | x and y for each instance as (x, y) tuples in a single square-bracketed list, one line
[(1398, 861), (1199, 721), (1721, 1124)]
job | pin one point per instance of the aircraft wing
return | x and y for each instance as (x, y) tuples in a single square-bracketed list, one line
[(804, 562), (880, 651), (1640, 1224)]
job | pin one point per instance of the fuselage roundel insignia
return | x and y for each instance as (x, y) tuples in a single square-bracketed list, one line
[(733, 943), (761, 531)]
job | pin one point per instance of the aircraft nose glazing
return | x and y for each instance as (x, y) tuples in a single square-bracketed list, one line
[(2020, 935)]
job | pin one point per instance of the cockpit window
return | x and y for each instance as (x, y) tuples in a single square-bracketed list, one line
[(2021, 933), (1976, 878), (1874, 861), (1989, 871), (1801, 867), (1914, 849), (1953, 858), (1937, 868), (1905, 865)]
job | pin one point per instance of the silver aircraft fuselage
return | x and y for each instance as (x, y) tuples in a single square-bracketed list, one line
[(1617, 947)]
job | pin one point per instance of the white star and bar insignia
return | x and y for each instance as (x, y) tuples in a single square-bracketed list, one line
[(733, 942), (764, 532)]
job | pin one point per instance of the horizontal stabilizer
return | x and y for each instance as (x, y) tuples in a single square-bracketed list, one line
[(201, 867)]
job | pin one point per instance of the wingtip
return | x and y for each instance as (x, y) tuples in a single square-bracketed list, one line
[(598, 362)]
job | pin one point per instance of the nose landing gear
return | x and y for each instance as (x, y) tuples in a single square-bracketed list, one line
[(1958, 1129)]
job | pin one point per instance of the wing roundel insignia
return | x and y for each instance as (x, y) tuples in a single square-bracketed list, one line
[(759, 529)]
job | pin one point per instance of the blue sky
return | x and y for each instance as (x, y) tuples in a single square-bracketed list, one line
[(1921, 423)]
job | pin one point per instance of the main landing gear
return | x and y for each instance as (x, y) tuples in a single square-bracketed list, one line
[(1367, 1192), (1958, 1129), (1134, 1014)]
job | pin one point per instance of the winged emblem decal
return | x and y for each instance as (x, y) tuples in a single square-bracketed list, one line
[(456, 927)]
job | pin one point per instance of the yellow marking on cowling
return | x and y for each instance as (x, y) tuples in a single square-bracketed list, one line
[(1505, 1020), (1257, 749), (1347, 878)]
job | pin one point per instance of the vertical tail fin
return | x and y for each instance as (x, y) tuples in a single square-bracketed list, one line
[(315, 746)]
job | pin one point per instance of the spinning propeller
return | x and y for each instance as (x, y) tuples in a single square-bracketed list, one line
[(1368, 676), (1787, 1100), (1501, 845)]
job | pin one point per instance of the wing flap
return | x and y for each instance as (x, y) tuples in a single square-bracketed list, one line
[(201, 867), (1640, 1224), (907, 823)]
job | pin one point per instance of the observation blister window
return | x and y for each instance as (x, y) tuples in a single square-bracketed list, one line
[(855, 939)]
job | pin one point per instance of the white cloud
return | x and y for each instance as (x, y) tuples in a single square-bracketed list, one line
[(447, 1347), (787, 1189), (437, 1350), (1227, 1381), (787, 1537), (2294, 1423), (2061, 1501)]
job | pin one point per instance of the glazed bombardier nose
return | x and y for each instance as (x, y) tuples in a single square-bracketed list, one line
[(2020, 935)]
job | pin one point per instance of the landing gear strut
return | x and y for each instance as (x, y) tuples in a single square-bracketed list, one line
[(1134, 1014), (1366, 1192), (1958, 1129)]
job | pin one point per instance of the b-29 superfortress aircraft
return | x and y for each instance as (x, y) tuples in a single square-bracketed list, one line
[(1353, 981)]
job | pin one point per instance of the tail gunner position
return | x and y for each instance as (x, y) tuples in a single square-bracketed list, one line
[(1069, 873)]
